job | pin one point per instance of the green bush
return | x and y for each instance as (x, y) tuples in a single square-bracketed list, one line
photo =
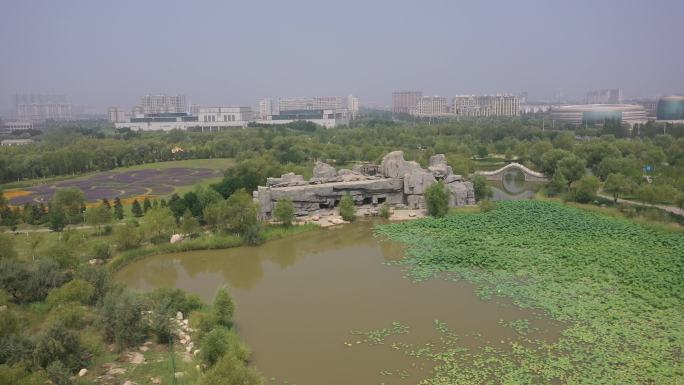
[(101, 250), (384, 211), (486, 206), (481, 187), (223, 307), (59, 344), (437, 199), (121, 318), (220, 342), (71, 315), (284, 211), (7, 246), (77, 290), (128, 236), (347, 208), (585, 189), (230, 371)]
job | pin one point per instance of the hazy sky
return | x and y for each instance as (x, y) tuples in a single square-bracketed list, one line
[(104, 53)]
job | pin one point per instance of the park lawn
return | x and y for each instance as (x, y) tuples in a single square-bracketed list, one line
[(213, 164)]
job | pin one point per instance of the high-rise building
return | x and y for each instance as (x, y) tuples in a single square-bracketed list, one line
[(265, 108), (315, 103), (606, 96), (117, 115), (431, 106), (487, 105), (404, 101), (41, 107), (157, 104), (353, 106)]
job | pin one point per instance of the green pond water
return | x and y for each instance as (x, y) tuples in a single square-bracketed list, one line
[(299, 299)]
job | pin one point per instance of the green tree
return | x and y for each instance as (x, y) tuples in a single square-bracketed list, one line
[(618, 185), (223, 308), (551, 158), (69, 202), (242, 211), (58, 344), (481, 187), (230, 371), (159, 224), (585, 189), (76, 290), (177, 205), (437, 199), (121, 318), (220, 342), (98, 216), (647, 193), (284, 211), (7, 246), (557, 185), (118, 209), (105, 203), (188, 223), (128, 236), (136, 210), (146, 205), (56, 218), (572, 167), (347, 208)]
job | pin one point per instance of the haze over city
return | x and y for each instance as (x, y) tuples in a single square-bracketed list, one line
[(221, 53)]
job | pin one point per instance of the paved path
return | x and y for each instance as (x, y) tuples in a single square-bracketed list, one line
[(670, 209)]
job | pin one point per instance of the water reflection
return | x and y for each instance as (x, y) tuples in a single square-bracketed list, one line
[(513, 186), (299, 298)]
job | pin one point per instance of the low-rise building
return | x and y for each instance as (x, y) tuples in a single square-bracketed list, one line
[(15, 142), (17, 125), (209, 119), (328, 118)]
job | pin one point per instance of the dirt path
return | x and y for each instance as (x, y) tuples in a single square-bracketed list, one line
[(670, 209)]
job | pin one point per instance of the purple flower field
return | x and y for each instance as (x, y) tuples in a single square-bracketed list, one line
[(127, 184)]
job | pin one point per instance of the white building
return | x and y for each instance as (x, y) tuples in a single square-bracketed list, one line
[(156, 104), (487, 105), (40, 107), (353, 106), (117, 115), (266, 108), (315, 103), (328, 118), (15, 142), (225, 115), (431, 106), (17, 125)]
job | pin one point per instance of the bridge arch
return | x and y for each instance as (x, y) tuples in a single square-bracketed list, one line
[(530, 175)]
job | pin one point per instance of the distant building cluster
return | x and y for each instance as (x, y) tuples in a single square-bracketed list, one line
[(414, 103), (605, 96), (41, 107), (162, 112)]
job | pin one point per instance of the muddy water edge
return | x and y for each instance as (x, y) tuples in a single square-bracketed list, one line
[(304, 305)]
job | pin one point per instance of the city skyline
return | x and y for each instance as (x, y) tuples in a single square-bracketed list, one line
[(79, 49)]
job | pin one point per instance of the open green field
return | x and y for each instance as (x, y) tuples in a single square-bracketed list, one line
[(617, 286), (153, 180), (213, 164)]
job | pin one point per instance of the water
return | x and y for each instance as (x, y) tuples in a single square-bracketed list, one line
[(513, 186), (298, 300)]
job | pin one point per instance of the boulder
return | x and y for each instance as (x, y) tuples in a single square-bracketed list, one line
[(179, 316), (438, 166), (324, 171), (417, 181), (82, 372), (176, 238)]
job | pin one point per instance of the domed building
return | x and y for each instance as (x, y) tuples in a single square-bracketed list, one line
[(670, 108), (598, 113)]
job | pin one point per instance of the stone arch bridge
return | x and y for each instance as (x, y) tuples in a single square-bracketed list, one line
[(530, 175)]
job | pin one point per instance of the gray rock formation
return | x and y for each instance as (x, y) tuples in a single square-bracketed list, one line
[(324, 171), (395, 181)]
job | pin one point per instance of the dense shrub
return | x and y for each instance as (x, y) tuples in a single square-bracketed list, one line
[(284, 211), (121, 318), (77, 290), (481, 188), (59, 344), (347, 208), (437, 199), (230, 371), (223, 307), (220, 342)]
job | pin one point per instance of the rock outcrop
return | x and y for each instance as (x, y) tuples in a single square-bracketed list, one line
[(395, 181)]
